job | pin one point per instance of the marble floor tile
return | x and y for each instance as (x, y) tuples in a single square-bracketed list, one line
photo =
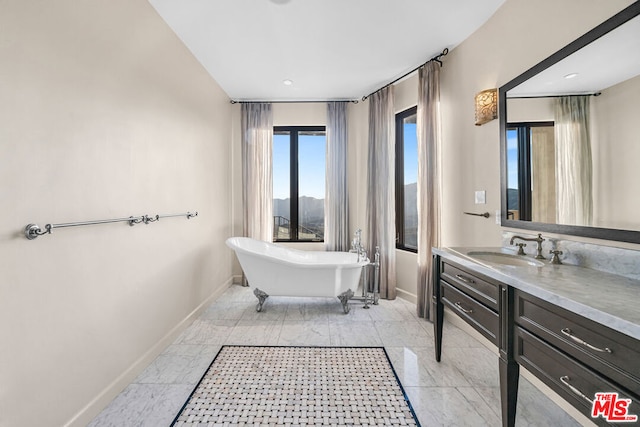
[(416, 366), (444, 406), (236, 293), (179, 364), (455, 337), (534, 409), (391, 311), (402, 333), (460, 390), (225, 311), (207, 332), (144, 405), (313, 309), (305, 333), (358, 334), (255, 332), (478, 364), (486, 411)]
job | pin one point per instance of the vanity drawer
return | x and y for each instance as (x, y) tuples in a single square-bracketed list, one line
[(614, 355), (569, 378), (482, 319), (481, 289)]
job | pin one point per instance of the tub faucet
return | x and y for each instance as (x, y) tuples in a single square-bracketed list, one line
[(357, 246), (538, 240)]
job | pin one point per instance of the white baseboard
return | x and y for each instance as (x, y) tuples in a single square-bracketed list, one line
[(407, 296), (98, 403)]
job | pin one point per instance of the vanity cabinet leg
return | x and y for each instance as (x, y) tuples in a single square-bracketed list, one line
[(437, 307), (508, 368), (509, 376), (437, 326)]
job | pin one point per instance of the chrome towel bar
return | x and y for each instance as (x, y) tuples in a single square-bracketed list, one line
[(32, 231)]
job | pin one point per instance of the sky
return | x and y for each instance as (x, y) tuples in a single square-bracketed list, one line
[(410, 153), (512, 158), (311, 165)]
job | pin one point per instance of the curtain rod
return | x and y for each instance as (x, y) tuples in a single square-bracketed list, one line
[(553, 96), (436, 58), (354, 101)]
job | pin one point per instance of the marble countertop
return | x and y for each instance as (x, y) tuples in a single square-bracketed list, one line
[(611, 300)]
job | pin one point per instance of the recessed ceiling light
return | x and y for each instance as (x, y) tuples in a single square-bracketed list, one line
[(287, 82), (570, 76)]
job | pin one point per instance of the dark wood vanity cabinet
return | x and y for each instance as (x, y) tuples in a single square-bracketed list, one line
[(472, 297), (573, 355), (482, 303)]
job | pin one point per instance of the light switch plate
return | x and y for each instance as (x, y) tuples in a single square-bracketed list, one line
[(498, 217), (481, 197)]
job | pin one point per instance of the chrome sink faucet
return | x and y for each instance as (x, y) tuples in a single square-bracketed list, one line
[(538, 240)]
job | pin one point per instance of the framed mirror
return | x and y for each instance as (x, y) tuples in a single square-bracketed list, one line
[(570, 142)]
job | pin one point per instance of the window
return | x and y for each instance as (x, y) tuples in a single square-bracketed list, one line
[(298, 183), (407, 180), (530, 171)]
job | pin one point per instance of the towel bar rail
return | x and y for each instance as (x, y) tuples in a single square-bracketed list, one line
[(32, 231), (486, 214)]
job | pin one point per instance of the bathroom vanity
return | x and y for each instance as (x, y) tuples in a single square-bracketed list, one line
[(576, 329)]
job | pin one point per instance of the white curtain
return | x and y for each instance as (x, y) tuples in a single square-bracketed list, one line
[(428, 128), (257, 182), (336, 211), (573, 161), (381, 214)]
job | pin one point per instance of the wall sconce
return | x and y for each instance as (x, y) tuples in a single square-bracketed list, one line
[(486, 106)]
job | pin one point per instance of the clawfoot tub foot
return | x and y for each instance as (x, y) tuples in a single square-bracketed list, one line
[(262, 297), (344, 299)]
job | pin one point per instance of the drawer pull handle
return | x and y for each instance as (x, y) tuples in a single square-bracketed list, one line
[(567, 332), (457, 304), (565, 380), (465, 279)]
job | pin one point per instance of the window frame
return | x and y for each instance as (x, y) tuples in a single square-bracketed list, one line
[(523, 129), (294, 178), (399, 178)]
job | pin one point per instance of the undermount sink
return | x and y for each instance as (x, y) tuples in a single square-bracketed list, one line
[(505, 259)]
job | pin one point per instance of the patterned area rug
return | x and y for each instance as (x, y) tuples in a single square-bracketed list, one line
[(247, 385)]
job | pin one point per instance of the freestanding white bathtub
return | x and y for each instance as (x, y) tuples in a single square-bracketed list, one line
[(274, 270)]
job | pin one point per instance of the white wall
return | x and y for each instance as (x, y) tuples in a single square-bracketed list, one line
[(519, 35), (105, 114), (615, 156)]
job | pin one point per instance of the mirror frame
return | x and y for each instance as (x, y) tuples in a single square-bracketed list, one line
[(629, 236)]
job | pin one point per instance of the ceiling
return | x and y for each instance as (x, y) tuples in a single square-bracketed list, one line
[(609, 60), (329, 49)]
